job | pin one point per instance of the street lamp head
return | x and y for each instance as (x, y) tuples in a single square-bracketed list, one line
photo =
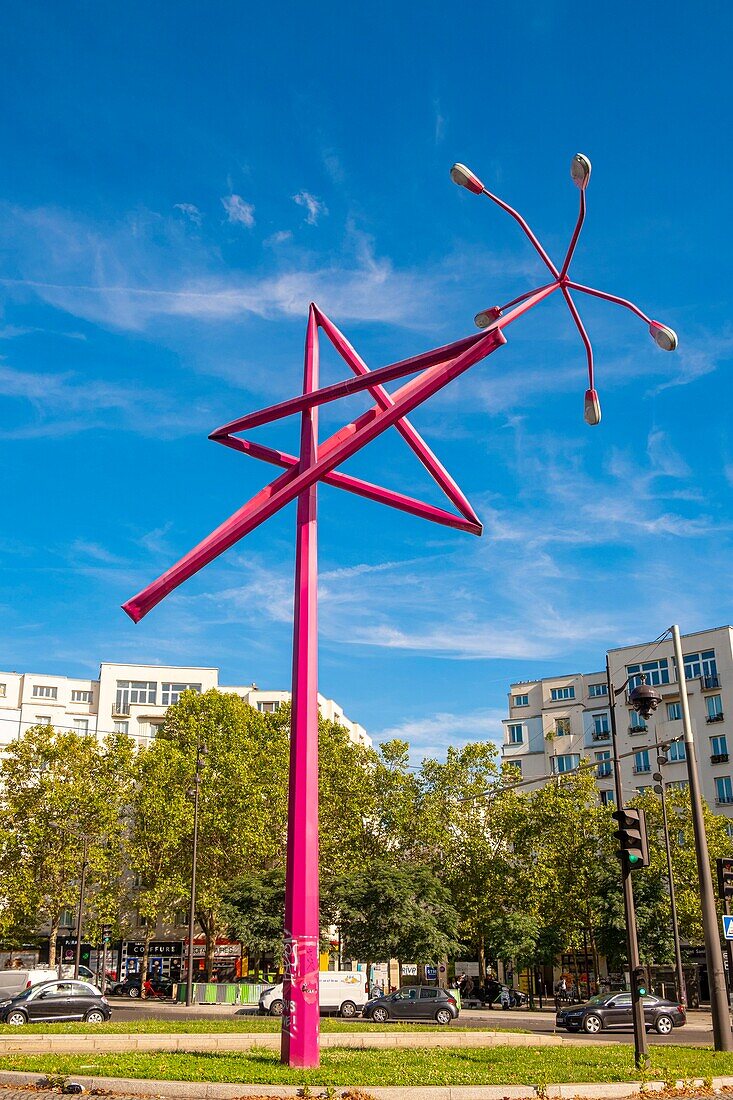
[(487, 317), (644, 699), (580, 169), (464, 177), (664, 336), (592, 409)]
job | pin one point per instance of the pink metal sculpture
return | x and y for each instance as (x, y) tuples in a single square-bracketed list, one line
[(316, 462)]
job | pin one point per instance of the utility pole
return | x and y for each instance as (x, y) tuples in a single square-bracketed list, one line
[(200, 751), (661, 790), (80, 909), (722, 1035), (641, 1051)]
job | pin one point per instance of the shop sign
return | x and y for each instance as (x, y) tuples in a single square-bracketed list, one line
[(158, 948)]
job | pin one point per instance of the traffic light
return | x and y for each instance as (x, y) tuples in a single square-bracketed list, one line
[(640, 982), (725, 878), (632, 837)]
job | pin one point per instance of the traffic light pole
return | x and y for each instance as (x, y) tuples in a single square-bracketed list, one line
[(722, 1035), (641, 1051), (679, 972)]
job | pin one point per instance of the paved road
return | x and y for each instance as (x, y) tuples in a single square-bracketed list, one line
[(698, 1031)]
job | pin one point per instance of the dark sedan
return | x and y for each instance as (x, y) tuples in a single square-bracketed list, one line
[(54, 1002), (611, 1010), (414, 1002)]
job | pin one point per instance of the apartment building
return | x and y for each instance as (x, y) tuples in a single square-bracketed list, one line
[(126, 698), (556, 722)]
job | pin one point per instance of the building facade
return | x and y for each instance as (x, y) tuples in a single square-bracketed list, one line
[(557, 722), (130, 699)]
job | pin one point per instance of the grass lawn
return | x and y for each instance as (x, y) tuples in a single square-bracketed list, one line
[(494, 1066), (245, 1024)]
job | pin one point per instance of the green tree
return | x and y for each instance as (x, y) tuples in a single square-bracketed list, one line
[(57, 788)]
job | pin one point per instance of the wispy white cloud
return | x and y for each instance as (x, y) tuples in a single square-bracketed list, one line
[(315, 208), (440, 123), (429, 735), (238, 211), (191, 212), (280, 237)]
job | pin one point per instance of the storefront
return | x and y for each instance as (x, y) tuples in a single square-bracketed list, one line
[(227, 960), (164, 958)]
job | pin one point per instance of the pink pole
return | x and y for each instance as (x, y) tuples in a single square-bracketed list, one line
[(301, 1013)]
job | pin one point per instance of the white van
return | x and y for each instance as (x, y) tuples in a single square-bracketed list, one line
[(342, 991), (15, 981)]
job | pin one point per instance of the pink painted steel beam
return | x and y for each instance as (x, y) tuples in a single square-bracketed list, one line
[(287, 487), (412, 437), (574, 239), (583, 334), (348, 386), (358, 486), (525, 229), (301, 1014), (609, 298)]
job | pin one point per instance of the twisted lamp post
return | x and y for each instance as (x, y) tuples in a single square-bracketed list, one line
[(318, 462)]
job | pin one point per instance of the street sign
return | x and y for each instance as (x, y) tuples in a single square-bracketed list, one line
[(728, 927)]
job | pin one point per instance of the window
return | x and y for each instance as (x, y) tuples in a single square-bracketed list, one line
[(269, 707), (678, 785), (729, 828), (608, 798), (700, 664), (134, 691), (121, 727), (674, 712), (43, 719), (601, 727), (3, 691), (657, 672), (171, 693), (562, 727), (427, 994), (148, 729), (562, 693), (677, 752), (567, 763), (603, 771), (512, 762), (521, 700), (81, 696), (516, 734), (714, 705), (68, 918), (719, 746), (642, 790), (81, 725), (641, 762), (595, 691), (44, 691), (636, 723), (723, 790)]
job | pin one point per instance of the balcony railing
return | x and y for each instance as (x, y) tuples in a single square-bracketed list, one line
[(710, 683), (714, 718), (638, 729), (719, 758), (724, 799), (601, 735)]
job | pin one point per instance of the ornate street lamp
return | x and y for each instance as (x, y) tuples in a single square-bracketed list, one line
[(317, 462)]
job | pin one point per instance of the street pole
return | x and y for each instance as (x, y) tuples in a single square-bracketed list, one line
[(641, 1051), (192, 908), (722, 1035), (80, 910), (679, 973)]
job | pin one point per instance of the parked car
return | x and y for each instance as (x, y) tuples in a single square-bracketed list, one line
[(54, 1002), (611, 1010), (414, 1002), (342, 991)]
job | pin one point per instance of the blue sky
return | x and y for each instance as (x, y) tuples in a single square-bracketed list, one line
[(176, 188)]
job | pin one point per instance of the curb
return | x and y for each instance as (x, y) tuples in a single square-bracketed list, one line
[(200, 1090), (203, 1042)]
